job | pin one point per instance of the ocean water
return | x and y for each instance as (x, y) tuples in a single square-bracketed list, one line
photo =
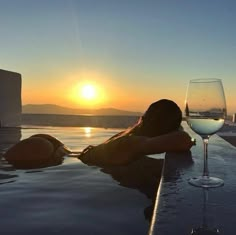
[(78, 120), (74, 198)]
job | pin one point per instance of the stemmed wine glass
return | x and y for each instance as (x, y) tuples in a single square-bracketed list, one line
[(205, 112)]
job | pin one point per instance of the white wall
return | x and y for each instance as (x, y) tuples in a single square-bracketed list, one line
[(10, 98)]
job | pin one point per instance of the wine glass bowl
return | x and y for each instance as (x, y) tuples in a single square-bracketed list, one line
[(205, 110)]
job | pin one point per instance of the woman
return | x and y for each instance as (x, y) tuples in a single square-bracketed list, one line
[(158, 130)]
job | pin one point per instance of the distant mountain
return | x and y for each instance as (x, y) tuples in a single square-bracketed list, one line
[(56, 109)]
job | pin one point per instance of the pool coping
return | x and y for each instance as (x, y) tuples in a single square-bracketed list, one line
[(180, 207)]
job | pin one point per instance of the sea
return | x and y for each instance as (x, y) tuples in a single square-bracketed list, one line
[(78, 120)]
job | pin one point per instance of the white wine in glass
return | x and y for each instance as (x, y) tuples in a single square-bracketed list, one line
[(205, 110)]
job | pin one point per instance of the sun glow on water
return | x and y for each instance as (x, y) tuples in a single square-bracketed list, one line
[(87, 131)]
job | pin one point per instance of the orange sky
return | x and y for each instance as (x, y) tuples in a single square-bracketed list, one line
[(110, 92), (134, 54)]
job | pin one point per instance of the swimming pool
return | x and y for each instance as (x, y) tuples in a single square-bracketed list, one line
[(73, 197)]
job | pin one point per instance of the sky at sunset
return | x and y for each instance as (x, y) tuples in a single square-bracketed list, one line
[(123, 54)]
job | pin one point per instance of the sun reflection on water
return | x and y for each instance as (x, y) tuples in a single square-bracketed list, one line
[(87, 131)]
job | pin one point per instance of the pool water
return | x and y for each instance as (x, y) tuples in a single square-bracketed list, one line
[(74, 198)]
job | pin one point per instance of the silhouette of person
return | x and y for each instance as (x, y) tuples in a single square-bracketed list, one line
[(157, 131)]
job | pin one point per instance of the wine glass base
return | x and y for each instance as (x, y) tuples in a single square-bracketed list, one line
[(206, 182)]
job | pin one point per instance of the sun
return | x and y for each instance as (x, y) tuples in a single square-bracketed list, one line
[(88, 92)]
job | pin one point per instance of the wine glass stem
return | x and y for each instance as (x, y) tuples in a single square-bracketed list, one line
[(205, 169)]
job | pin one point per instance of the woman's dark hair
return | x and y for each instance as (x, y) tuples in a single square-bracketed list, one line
[(160, 118)]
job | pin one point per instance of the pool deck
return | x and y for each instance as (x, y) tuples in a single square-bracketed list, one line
[(181, 207)]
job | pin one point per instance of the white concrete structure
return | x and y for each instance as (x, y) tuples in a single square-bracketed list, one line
[(10, 99), (234, 118)]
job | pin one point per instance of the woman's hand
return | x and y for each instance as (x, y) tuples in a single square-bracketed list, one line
[(177, 141)]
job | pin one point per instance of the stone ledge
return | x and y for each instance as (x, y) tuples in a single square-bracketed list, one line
[(181, 207)]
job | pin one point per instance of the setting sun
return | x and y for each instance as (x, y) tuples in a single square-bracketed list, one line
[(88, 92), (87, 89)]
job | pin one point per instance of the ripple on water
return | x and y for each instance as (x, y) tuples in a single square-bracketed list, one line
[(7, 178)]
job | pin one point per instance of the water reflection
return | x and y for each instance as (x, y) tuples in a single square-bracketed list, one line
[(87, 131), (174, 165), (7, 178), (8, 137), (204, 229), (143, 175)]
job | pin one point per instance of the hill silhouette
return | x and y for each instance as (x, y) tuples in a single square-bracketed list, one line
[(56, 109)]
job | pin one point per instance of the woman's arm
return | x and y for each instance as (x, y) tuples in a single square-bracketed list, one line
[(172, 142), (130, 148), (136, 146)]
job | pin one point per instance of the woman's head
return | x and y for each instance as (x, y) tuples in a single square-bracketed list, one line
[(160, 118)]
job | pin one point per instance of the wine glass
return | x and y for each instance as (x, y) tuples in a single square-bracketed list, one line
[(205, 112)]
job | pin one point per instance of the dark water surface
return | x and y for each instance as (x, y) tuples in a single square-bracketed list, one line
[(74, 198)]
